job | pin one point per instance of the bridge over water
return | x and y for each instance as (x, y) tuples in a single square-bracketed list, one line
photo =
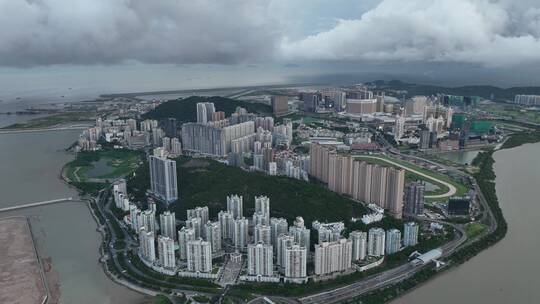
[(37, 204)]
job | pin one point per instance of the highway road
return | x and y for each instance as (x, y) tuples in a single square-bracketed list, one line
[(386, 278), (397, 274), (104, 204), (405, 271)]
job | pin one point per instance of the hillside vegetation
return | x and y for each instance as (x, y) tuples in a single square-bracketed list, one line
[(207, 183), (185, 110)]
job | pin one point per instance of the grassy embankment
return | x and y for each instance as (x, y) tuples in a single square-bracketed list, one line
[(519, 139), (474, 229)]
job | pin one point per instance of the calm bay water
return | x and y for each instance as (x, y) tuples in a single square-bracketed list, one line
[(507, 272), (66, 233)]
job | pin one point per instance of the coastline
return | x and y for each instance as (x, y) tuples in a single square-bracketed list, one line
[(417, 280), (385, 295), (101, 230)]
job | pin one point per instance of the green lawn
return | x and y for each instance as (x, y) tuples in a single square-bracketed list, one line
[(161, 299), (514, 112), (118, 163), (474, 229)]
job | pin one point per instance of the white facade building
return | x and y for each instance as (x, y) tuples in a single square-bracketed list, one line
[(147, 219), (147, 246), (277, 226), (260, 260), (199, 256), (176, 147), (260, 218), (213, 236), (240, 237), (302, 236), (333, 256), (284, 241), (226, 223), (167, 222), (185, 235), (235, 206), (295, 262), (393, 241), (198, 212), (262, 204), (376, 242), (410, 234), (166, 252), (197, 225), (359, 245), (262, 234), (163, 180)]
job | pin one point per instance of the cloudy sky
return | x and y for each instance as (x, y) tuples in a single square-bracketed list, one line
[(161, 44)]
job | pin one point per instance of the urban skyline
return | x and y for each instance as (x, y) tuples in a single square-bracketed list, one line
[(271, 151)]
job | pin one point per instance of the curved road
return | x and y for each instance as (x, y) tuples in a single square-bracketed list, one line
[(451, 188), (385, 278)]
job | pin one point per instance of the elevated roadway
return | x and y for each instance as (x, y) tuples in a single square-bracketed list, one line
[(37, 204)]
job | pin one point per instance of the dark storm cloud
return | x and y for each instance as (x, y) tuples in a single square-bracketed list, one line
[(487, 32), (45, 32)]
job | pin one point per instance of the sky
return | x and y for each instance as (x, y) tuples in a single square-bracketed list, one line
[(140, 45)]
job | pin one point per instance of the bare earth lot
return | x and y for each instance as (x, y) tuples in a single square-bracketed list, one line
[(20, 274)]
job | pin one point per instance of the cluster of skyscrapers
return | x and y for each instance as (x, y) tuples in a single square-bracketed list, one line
[(214, 140), (222, 136), (357, 101), (274, 249), (369, 183)]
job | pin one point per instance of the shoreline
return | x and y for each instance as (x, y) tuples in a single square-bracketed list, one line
[(453, 266), (100, 229), (24, 262), (485, 243)]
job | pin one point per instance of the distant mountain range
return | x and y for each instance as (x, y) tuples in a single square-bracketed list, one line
[(488, 92)]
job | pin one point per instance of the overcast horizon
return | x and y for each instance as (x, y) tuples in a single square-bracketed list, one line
[(120, 45)]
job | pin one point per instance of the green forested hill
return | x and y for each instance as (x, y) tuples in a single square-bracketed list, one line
[(185, 110)]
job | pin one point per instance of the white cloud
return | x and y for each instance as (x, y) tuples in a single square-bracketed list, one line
[(491, 33)]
